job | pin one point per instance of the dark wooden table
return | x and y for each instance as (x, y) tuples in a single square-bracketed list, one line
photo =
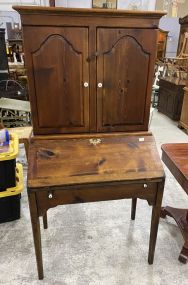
[(93, 168), (175, 156)]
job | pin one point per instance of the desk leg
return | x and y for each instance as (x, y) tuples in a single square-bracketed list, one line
[(36, 233), (133, 208), (45, 221), (155, 222)]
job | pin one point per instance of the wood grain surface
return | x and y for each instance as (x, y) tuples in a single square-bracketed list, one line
[(175, 156), (78, 161)]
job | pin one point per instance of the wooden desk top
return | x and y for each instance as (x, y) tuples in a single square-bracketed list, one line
[(175, 156), (111, 158)]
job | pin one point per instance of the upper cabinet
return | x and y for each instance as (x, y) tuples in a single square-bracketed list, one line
[(89, 70)]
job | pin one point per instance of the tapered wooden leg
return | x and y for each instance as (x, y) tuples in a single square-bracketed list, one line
[(133, 208), (36, 232), (155, 222), (45, 221)]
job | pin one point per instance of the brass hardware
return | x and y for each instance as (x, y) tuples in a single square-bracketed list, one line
[(95, 141)]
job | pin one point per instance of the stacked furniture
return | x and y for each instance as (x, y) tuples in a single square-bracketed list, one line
[(3, 57), (90, 74), (171, 86), (183, 122), (161, 43), (171, 97), (183, 30), (11, 181)]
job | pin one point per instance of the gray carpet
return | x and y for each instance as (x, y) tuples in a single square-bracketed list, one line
[(97, 243)]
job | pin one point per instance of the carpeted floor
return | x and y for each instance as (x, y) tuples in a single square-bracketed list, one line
[(97, 243)]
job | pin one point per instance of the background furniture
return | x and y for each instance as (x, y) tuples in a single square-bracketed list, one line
[(161, 43), (175, 158), (171, 97), (3, 57), (96, 53), (101, 167), (14, 113), (183, 123), (183, 29)]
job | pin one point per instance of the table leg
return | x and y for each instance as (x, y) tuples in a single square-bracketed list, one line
[(36, 232), (45, 221), (155, 222), (133, 208), (181, 218)]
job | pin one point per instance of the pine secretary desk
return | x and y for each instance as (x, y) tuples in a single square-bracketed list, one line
[(90, 77)]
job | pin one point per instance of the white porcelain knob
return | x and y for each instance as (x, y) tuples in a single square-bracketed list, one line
[(50, 196), (86, 84), (100, 85)]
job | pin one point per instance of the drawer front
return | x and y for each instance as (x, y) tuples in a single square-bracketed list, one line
[(51, 198)]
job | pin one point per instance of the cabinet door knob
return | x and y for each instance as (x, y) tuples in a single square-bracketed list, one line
[(50, 196), (86, 84), (99, 85)]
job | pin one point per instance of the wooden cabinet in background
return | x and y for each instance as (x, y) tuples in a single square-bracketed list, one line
[(171, 97), (90, 70), (183, 123), (183, 29), (3, 57), (161, 43)]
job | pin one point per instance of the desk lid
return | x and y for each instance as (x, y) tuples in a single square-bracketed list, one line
[(90, 160)]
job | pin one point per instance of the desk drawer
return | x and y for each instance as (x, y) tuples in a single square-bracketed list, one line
[(91, 193)]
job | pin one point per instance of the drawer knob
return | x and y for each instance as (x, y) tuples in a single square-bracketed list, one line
[(86, 84), (99, 85), (50, 196), (145, 186)]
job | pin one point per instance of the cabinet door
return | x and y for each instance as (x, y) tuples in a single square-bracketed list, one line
[(57, 67), (125, 70)]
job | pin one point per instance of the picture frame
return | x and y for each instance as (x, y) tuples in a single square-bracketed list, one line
[(105, 4)]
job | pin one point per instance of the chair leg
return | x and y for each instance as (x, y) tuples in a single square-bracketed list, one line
[(133, 208), (45, 221)]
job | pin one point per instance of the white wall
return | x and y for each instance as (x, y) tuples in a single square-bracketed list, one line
[(122, 4), (172, 25), (6, 5), (7, 14), (74, 3), (145, 4)]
